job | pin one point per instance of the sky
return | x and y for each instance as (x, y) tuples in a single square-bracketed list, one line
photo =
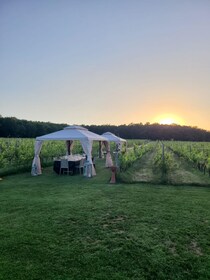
[(106, 61)]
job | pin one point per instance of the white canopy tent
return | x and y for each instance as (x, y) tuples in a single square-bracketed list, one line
[(113, 138), (69, 133), (119, 142)]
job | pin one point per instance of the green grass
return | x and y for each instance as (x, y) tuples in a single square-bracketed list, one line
[(69, 227)]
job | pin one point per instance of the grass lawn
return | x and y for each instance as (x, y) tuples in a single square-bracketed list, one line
[(69, 227)]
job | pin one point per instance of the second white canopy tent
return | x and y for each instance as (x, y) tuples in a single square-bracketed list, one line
[(111, 138)]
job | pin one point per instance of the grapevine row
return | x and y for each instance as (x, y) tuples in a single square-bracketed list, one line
[(196, 153)]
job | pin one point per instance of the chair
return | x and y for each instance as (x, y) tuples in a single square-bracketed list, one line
[(64, 167), (80, 166), (87, 169)]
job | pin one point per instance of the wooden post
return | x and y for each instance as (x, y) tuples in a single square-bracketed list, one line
[(113, 175), (163, 152), (100, 154)]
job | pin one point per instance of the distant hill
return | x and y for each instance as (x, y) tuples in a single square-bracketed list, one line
[(13, 127)]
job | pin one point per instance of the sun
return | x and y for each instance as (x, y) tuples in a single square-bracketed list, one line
[(168, 119)]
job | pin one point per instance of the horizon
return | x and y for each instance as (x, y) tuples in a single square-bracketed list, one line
[(106, 62), (109, 124)]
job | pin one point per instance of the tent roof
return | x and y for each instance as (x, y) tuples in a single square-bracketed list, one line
[(112, 137), (73, 132)]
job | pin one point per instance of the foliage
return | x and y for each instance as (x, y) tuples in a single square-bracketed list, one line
[(128, 158), (162, 165), (194, 152), (137, 142), (13, 127), (16, 153), (164, 159)]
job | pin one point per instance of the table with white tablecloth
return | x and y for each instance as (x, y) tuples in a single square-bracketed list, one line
[(73, 162)]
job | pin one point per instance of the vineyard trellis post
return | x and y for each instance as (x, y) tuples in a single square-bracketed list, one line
[(163, 152)]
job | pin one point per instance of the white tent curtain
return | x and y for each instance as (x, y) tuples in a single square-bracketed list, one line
[(87, 147), (36, 164), (109, 161)]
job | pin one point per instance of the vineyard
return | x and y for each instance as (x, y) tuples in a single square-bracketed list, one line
[(172, 162), (196, 153), (16, 154)]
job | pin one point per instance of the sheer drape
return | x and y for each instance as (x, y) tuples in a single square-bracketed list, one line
[(109, 162), (87, 147), (36, 164)]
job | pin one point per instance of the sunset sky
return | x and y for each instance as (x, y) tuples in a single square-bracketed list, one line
[(106, 61)]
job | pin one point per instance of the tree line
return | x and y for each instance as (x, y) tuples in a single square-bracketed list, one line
[(13, 127)]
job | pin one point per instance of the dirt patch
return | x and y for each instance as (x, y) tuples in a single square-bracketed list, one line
[(195, 248), (171, 247)]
